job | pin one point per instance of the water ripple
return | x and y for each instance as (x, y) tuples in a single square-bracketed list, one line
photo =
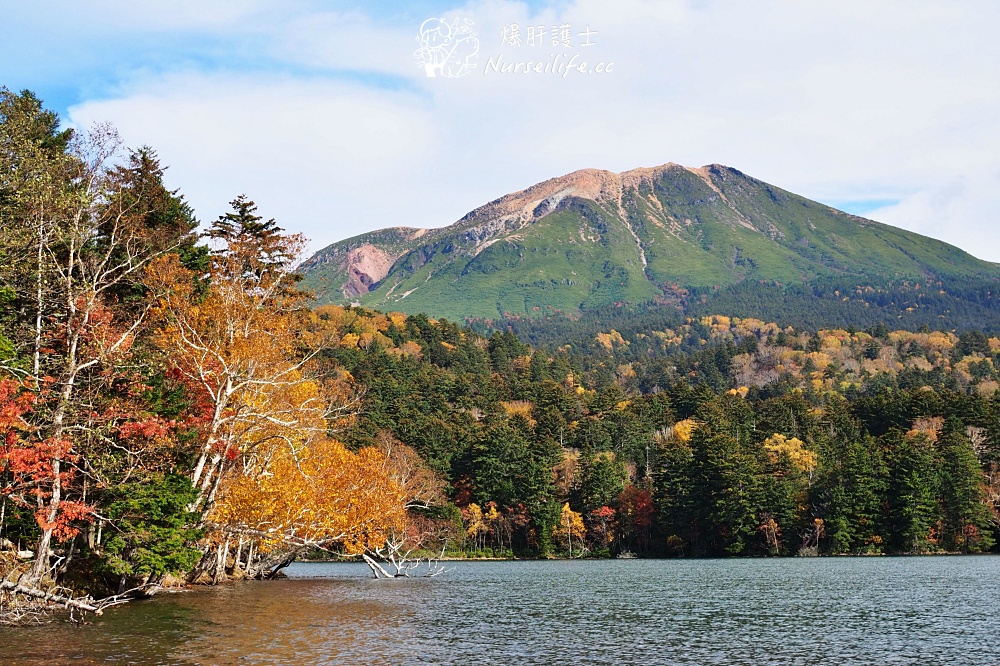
[(891, 611)]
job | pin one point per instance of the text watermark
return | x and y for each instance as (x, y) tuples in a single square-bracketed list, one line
[(450, 48)]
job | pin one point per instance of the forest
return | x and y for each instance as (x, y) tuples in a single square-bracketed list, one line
[(175, 409), (738, 437)]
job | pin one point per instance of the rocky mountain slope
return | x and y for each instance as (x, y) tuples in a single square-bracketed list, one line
[(593, 237)]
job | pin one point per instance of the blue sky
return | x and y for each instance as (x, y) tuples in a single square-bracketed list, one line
[(46, 51), (319, 111)]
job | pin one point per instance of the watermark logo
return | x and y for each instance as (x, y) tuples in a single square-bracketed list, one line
[(569, 51), (448, 47)]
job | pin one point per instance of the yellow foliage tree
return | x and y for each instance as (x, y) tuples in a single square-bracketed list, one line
[(611, 339), (243, 347), (570, 527), (684, 429), (244, 343), (523, 408), (475, 525), (802, 458), (320, 495)]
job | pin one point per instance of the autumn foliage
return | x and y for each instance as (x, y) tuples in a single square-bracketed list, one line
[(164, 404), (244, 346), (321, 495), (27, 462)]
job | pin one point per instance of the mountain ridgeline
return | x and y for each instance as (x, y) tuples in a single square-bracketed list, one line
[(695, 238)]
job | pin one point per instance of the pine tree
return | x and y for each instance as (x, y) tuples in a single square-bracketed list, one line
[(966, 520), (913, 491)]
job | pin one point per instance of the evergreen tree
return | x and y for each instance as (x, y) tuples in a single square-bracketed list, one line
[(966, 520), (912, 494), (600, 479)]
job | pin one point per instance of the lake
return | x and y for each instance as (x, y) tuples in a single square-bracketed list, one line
[(928, 610)]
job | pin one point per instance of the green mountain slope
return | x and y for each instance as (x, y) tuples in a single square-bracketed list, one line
[(593, 238)]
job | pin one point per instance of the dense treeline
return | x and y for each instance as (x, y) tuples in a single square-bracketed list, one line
[(721, 436), (912, 305), (962, 303)]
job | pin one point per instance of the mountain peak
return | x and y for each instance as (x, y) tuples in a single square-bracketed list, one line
[(594, 237)]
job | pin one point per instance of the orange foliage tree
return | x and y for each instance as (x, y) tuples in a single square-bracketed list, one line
[(319, 495), (241, 346), (245, 344)]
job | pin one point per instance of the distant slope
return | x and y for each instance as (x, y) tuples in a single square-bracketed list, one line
[(593, 238), (345, 270)]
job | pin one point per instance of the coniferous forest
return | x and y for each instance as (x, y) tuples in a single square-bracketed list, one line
[(174, 408)]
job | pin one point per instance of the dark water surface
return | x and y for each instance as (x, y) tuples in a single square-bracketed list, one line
[(754, 612)]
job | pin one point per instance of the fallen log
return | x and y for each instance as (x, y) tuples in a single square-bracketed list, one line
[(51, 597)]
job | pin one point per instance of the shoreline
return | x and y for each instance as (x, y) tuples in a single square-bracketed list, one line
[(655, 558)]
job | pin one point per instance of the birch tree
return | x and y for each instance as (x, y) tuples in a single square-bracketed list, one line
[(81, 223), (244, 343)]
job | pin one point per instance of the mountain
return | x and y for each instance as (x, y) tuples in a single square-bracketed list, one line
[(594, 238)]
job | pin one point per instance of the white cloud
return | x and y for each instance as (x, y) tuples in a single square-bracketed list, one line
[(346, 41), (320, 157), (842, 100), (963, 210)]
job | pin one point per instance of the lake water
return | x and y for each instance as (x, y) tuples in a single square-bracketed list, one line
[(923, 611)]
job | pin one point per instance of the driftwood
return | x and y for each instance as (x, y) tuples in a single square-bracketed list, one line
[(52, 597), (38, 602), (399, 559)]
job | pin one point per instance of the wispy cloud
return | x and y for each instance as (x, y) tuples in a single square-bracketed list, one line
[(324, 118)]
